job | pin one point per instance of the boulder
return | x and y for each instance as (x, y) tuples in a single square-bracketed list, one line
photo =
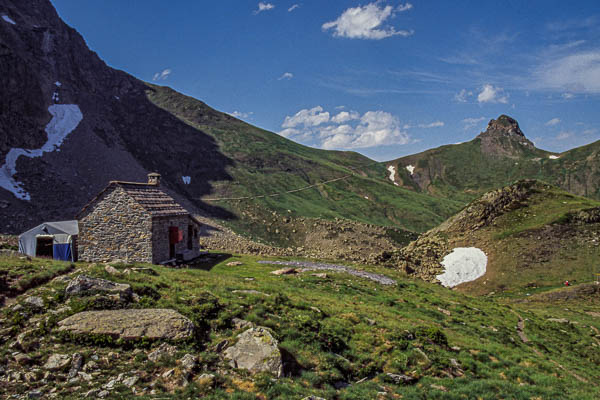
[(57, 362), (151, 324), (86, 286), (164, 350), (111, 270), (285, 271), (189, 362), (256, 350), (35, 302)]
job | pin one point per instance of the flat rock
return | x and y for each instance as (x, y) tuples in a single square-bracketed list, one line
[(130, 324), (85, 286), (234, 263), (256, 350), (285, 271)]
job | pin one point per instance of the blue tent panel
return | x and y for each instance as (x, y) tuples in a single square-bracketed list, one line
[(62, 251)]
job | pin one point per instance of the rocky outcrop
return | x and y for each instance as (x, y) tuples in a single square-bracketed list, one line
[(423, 256), (256, 350), (86, 286), (153, 324)]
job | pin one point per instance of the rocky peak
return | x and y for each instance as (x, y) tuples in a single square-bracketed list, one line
[(503, 126), (503, 137)]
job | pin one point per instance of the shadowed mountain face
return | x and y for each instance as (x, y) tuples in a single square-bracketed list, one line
[(500, 155), (122, 135)]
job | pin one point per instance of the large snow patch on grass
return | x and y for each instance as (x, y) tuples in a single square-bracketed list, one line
[(464, 264), (65, 118)]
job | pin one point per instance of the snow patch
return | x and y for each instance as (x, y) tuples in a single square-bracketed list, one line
[(367, 197), (186, 179), (7, 19), (55, 97), (553, 157), (392, 174), (464, 264), (117, 97), (58, 84), (65, 118), (411, 169)]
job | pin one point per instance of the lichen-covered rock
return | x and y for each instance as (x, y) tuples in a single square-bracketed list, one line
[(35, 302), (85, 286), (256, 350), (130, 324), (57, 362), (162, 351)]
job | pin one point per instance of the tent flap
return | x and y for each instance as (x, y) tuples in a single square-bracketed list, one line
[(61, 231)]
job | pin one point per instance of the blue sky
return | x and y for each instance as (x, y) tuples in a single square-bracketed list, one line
[(384, 78)]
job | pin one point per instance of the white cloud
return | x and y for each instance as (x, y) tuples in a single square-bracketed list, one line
[(373, 128), (242, 115), (404, 7), (472, 122), (309, 118), (590, 131), (292, 8), (564, 135), (286, 75), (345, 116), (492, 94), (365, 22), (463, 96), (264, 7), (574, 73), (436, 124), (553, 121), (567, 96), (162, 75)]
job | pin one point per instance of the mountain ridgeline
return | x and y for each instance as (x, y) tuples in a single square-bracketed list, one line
[(497, 157), (69, 124)]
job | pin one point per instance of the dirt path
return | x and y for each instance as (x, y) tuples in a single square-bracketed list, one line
[(311, 266), (525, 339)]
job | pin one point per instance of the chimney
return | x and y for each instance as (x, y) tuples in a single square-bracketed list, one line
[(154, 179)]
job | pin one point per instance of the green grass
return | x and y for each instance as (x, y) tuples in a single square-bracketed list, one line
[(346, 328), (17, 275), (266, 163)]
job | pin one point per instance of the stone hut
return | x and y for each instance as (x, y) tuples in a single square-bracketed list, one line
[(136, 222)]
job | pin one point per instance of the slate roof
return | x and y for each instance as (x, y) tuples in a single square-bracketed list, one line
[(154, 200)]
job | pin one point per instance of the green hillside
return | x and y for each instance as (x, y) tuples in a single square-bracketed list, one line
[(496, 158), (265, 163), (535, 237)]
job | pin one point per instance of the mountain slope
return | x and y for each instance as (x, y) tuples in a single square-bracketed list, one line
[(500, 155), (128, 128), (533, 234)]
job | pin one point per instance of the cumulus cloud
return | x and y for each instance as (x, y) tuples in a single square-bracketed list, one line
[(366, 22), (162, 75), (242, 115), (574, 73), (345, 116), (286, 76), (264, 7), (292, 8), (345, 130), (463, 96), (492, 94), (307, 117), (553, 121), (472, 122)]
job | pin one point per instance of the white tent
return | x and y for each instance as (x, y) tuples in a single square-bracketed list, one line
[(59, 234)]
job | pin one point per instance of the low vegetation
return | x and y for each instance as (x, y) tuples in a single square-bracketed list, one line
[(341, 337)]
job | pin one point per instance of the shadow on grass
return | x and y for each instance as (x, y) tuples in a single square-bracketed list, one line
[(208, 261)]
